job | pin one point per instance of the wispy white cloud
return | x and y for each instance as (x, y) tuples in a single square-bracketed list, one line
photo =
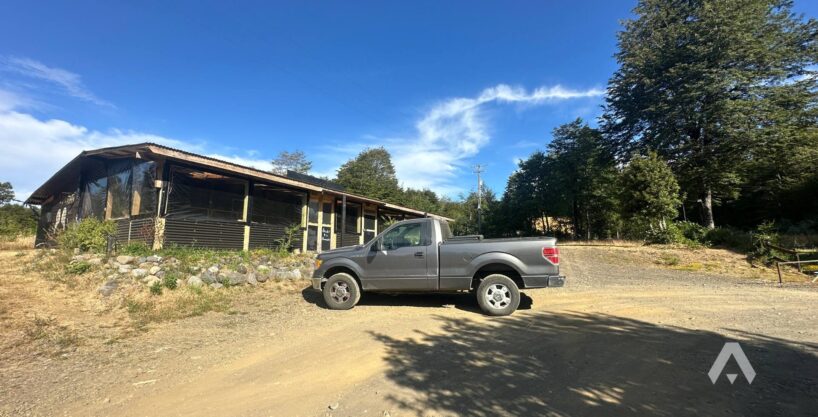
[(452, 131), (69, 82), (251, 159)]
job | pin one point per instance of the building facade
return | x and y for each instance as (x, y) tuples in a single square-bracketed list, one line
[(162, 196)]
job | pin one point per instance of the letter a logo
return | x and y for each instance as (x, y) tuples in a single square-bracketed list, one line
[(732, 349)]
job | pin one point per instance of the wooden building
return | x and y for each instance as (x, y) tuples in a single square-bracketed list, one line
[(163, 196)]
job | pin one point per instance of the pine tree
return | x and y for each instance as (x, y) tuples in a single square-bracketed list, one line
[(371, 174), (701, 81), (649, 191)]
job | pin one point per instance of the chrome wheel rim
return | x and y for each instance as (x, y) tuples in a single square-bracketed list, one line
[(339, 292), (497, 296)]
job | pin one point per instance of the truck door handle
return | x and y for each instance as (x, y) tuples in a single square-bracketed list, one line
[(418, 254)]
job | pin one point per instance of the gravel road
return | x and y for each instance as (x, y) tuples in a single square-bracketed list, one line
[(622, 338)]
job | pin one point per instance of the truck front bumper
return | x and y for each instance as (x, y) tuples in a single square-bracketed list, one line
[(544, 281)]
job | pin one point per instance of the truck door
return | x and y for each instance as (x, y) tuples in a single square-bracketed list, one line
[(397, 261)]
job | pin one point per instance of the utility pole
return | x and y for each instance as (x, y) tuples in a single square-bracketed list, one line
[(479, 169)]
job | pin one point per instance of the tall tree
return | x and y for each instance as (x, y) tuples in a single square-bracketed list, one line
[(582, 171), (6, 193), (372, 174), (650, 191), (294, 161), (697, 79), (424, 200)]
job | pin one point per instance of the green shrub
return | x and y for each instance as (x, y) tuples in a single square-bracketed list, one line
[(765, 234), (170, 280), (136, 249), (692, 231), (87, 235), (156, 288), (729, 238), (668, 235), (78, 267)]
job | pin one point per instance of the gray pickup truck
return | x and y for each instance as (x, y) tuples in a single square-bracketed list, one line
[(421, 255)]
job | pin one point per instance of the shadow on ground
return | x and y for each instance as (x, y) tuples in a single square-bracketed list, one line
[(593, 364), (461, 301)]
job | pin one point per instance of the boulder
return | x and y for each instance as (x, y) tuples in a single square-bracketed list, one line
[(151, 280), (124, 259), (251, 279), (195, 281), (154, 269), (139, 272), (209, 277), (154, 258), (108, 288), (145, 265), (213, 269), (124, 269), (216, 285), (94, 261), (233, 277), (242, 269)]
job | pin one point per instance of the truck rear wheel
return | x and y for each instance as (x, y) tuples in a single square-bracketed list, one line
[(498, 295), (341, 292)]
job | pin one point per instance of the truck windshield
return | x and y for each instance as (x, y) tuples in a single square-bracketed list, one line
[(445, 231)]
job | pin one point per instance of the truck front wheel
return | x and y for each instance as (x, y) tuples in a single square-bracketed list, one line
[(341, 292), (498, 295)]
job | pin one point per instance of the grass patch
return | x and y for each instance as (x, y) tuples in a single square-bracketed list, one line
[(668, 259), (189, 303), (78, 267), (48, 331)]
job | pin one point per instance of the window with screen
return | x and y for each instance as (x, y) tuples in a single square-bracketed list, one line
[(327, 213), (198, 194), (119, 188), (144, 189), (351, 220), (276, 205)]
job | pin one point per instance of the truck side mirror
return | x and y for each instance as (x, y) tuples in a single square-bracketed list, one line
[(376, 246)]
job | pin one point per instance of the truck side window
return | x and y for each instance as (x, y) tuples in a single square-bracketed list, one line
[(404, 236)]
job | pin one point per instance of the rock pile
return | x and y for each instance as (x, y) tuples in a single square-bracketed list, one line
[(152, 270)]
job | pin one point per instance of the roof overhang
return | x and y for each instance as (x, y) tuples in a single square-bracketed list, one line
[(70, 173)]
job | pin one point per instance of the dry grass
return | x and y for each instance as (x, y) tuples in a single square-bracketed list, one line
[(20, 243), (704, 260), (56, 337), (144, 309)]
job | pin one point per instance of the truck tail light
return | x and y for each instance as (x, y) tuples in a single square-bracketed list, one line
[(552, 254)]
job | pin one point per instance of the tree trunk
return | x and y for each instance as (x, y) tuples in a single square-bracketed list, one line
[(575, 219), (707, 208)]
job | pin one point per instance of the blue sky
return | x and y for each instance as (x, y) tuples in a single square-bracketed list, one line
[(442, 85)]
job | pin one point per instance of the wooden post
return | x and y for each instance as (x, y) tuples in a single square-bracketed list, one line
[(246, 214), (343, 218)]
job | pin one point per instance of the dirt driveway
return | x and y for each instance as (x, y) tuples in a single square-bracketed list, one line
[(619, 339)]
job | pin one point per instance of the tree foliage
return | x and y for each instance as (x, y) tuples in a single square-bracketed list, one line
[(649, 191), (294, 161), (707, 84), (372, 174), (15, 220)]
